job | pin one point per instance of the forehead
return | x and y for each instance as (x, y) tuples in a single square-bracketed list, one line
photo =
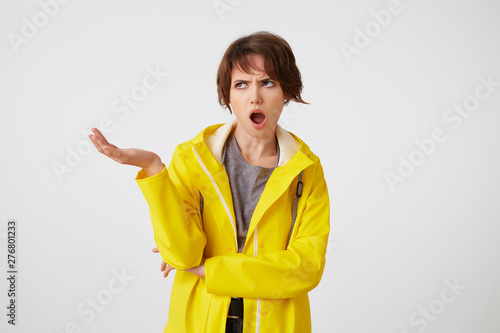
[(250, 65)]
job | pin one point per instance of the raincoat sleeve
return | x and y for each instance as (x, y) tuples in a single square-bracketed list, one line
[(175, 214), (283, 274)]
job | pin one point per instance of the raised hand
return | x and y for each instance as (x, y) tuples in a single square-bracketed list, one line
[(149, 161)]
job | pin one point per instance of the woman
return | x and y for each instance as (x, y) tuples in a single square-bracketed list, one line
[(242, 212)]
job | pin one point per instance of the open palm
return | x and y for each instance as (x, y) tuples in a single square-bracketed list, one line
[(147, 160)]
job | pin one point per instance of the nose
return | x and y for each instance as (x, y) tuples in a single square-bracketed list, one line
[(255, 94)]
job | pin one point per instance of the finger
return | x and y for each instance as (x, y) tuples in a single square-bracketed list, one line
[(94, 137), (102, 145), (95, 143), (113, 152), (168, 270), (163, 266), (99, 137), (155, 250)]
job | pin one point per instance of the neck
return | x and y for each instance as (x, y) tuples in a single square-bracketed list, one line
[(257, 151)]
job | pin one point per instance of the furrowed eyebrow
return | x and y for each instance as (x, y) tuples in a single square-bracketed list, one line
[(246, 81)]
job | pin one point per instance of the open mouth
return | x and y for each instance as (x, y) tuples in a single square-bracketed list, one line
[(257, 117)]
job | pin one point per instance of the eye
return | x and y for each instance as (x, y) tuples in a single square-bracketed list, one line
[(240, 85), (268, 84)]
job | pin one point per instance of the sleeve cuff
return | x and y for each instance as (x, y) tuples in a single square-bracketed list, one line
[(209, 275), (143, 180)]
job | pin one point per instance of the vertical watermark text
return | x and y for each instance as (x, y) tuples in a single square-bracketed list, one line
[(12, 271)]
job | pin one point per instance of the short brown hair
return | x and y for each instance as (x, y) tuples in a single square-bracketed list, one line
[(279, 63)]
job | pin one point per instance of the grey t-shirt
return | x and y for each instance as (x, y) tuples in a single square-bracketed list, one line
[(247, 183)]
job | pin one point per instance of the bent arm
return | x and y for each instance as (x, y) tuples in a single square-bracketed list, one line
[(174, 214), (282, 274)]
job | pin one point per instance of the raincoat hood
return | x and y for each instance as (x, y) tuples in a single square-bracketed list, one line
[(215, 136)]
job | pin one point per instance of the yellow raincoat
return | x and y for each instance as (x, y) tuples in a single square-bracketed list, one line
[(273, 279)]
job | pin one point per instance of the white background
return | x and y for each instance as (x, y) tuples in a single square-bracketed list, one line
[(390, 252)]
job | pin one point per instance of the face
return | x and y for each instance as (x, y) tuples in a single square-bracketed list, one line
[(256, 100)]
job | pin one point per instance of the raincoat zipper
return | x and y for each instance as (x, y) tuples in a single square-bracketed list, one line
[(219, 193), (257, 321)]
